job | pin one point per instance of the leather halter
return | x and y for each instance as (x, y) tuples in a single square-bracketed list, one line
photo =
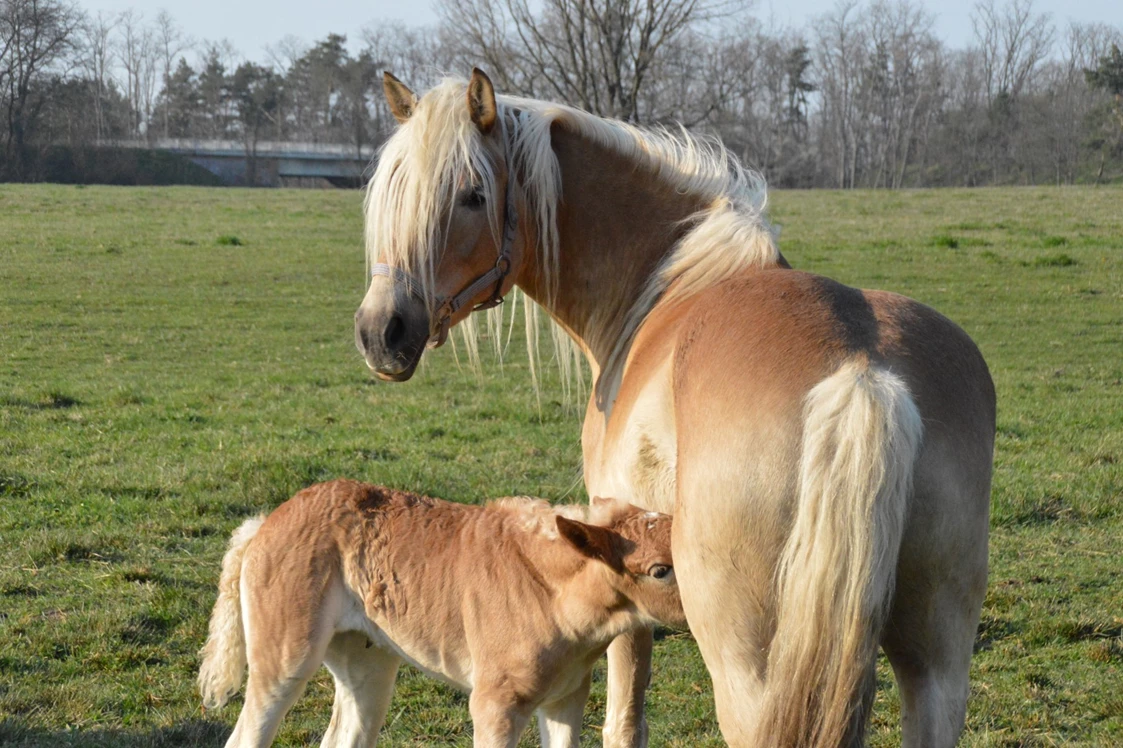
[(496, 276)]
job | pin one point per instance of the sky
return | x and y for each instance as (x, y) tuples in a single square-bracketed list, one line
[(252, 25)]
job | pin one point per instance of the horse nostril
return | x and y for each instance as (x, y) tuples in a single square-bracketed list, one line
[(395, 332)]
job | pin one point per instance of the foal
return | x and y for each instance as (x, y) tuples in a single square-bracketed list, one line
[(513, 601)]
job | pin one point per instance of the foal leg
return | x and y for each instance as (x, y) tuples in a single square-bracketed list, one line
[(267, 702), (498, 719), (364, 682), (559, 723), (278, 671), (629, 673)]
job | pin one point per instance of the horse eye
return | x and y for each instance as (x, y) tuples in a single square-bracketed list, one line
[(659, 571), (473, 200)]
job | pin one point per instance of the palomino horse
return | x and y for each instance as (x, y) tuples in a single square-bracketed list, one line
[(825, 451)]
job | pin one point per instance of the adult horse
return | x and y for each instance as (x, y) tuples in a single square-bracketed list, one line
[(825, 451)]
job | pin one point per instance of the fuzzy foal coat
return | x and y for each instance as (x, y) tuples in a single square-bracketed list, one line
[(512, 601)]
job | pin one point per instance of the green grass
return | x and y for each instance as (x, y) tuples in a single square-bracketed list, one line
[(175, 359)]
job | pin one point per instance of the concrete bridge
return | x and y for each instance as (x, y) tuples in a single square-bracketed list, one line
[(277, 163)]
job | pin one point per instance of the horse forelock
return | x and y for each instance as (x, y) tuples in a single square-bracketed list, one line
[(421, 167)]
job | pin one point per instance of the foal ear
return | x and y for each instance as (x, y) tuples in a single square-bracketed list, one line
[(398, 96), (604, 511), (481, 101), (591, 541)]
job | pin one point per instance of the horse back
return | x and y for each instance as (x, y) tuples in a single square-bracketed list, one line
[(764, 338)]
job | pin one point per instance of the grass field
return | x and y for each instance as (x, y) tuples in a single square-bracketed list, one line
[(173, 360)]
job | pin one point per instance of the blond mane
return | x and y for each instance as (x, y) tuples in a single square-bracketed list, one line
[(538, 515), (422, 165)]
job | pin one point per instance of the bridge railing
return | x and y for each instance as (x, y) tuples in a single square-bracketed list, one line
[(236, 148)]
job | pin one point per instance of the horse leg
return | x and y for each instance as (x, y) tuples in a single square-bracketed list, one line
[(364, 682), (729, 626), (629, 672), (930, 651), (559, 723), (930, 637)]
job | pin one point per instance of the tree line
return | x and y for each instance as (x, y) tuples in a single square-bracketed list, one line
[(865, 95)]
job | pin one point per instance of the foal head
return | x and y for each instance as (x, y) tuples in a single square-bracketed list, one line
[(636, 547), (440, 224)]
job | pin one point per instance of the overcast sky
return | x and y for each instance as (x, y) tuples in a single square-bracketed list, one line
[(253, 25)]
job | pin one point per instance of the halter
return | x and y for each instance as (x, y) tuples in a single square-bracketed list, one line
[(496, 275)]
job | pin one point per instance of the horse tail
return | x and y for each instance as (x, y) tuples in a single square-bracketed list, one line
[(837, 570), (224, 654)]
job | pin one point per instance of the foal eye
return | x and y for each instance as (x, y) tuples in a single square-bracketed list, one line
[(659, 571), (473, 200)]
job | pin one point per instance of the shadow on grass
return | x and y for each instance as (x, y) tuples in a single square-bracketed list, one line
[(14, 485), (194, 732), (53, 400)]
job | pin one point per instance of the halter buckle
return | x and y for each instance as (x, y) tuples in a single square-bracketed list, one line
[(436, 341), (501, 269)]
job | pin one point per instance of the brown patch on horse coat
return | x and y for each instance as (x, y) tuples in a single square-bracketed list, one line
[(651, 472)]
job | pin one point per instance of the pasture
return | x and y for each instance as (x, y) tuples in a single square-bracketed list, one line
[(175, 359)]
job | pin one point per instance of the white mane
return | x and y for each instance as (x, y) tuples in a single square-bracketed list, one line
[(424, 163), (538, 515)]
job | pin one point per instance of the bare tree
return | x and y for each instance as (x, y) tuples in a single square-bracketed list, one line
[(900, 82), (1013, 41), (1065, 101), (150, 79), (765, 116), (170, 43), (97, 60), (130, 40), (839, 42), (477, 32), (416, 55), (284, 54), (597, 54), (36, 37)]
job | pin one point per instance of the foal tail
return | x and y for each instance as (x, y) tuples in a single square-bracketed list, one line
[(836, 575), (224, 654)]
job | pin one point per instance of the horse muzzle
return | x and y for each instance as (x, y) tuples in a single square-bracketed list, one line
[(391, 331)]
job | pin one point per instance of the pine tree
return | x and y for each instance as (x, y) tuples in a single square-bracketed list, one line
[(1108, 77)]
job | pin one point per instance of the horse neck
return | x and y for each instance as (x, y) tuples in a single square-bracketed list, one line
[(617, 221)]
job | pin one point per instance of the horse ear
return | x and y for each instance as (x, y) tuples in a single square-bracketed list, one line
[(591, 541), (481, 101), (398, 96)]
